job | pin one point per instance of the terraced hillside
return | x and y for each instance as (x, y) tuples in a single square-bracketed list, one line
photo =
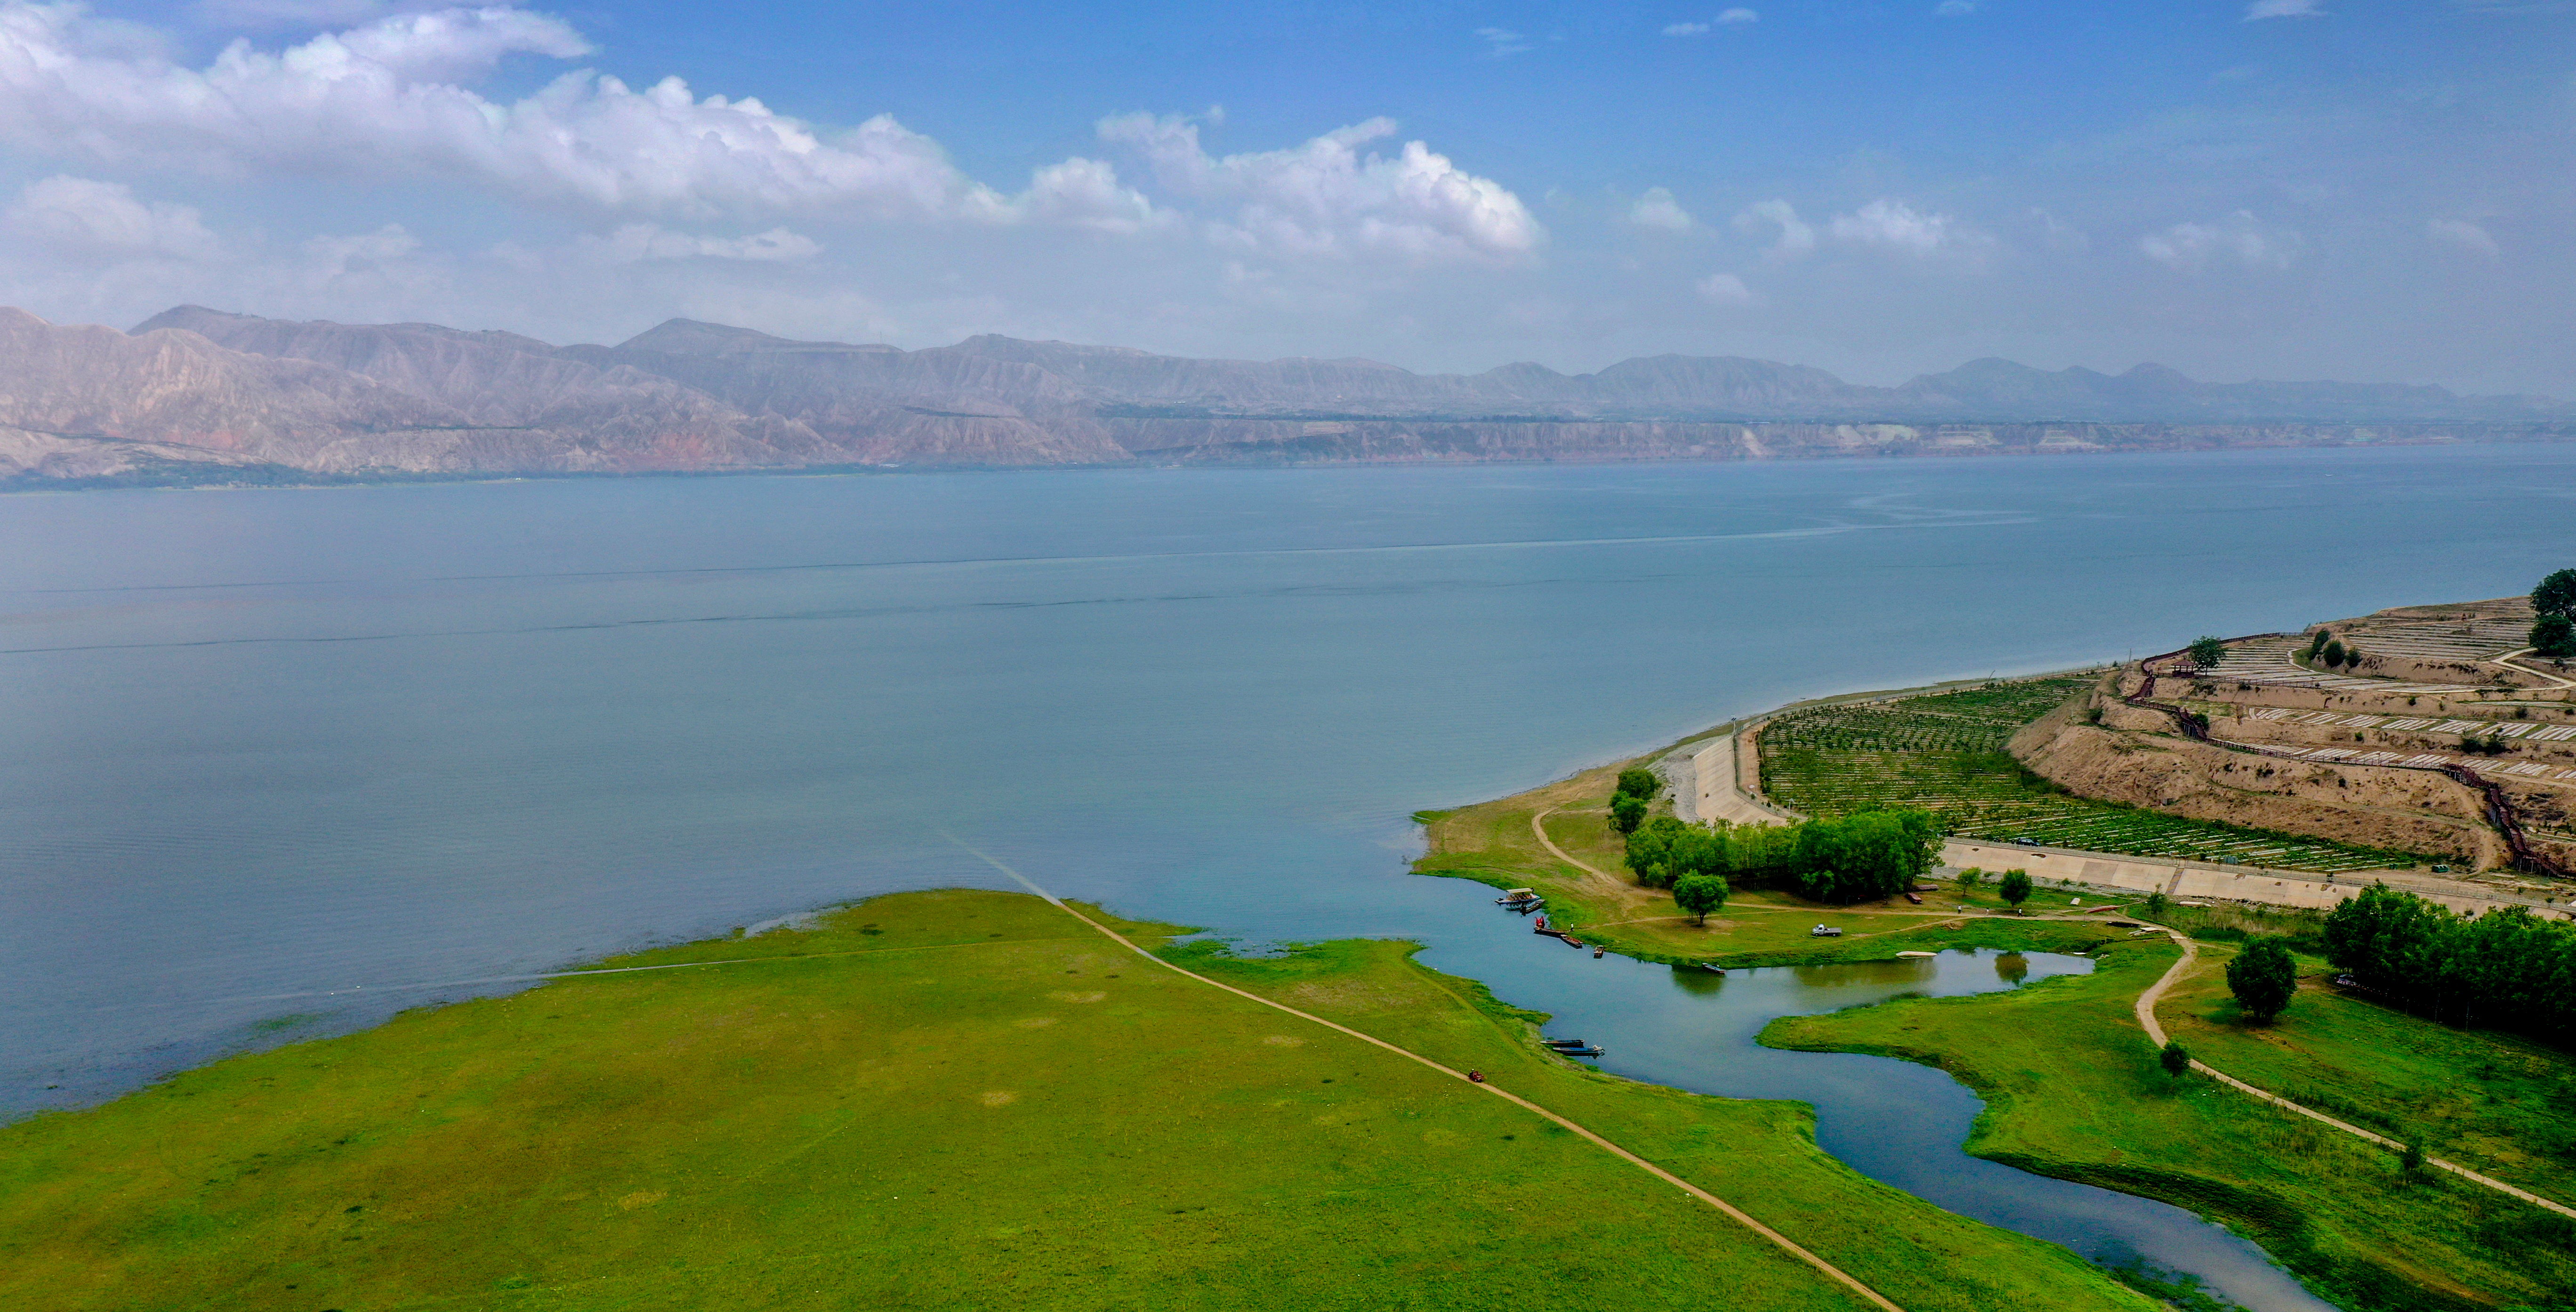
[(1944, 752)]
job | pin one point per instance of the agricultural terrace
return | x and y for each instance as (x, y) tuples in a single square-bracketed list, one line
[(1944, 753)]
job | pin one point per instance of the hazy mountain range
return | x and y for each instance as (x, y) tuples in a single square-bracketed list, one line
[(197, 395)]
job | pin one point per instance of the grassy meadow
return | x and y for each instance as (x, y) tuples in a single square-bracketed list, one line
[(954, 1100), (2073, 1089), (2495, 1103)]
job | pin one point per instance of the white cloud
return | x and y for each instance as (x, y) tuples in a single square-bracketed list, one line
[(1894, 225), (81, 219), (384, 100), (1327, 198), (1686, 29), (1954, 8), (1725, 289), (636, 242), (2262, 9), (1502, 41), (1657, 209), (1737, 17), (296, 13), (2240, 239), (1796, 237), (2463, 234)]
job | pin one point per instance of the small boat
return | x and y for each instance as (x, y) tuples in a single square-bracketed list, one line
[(1545, 932), (1714, 970), (1565, 1043), (1516, 897), (1915, 898), (1916, 954), (1596, 950), (1581, 1052), (1571, 941)]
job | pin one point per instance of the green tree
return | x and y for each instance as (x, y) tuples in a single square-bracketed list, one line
[(2175, 1058), (2556, 594), (2413, 1158), (2015, 887), (2555, 636), (2155, 906), (1700, 894), (1970, 878), (2207, 651), (1640, 783), (2334, 652), (2317, 642), (2263, 977), (1627, 811)]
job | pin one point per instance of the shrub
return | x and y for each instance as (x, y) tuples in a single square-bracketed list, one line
[(1640, 783), (2175, 1059), (2206, 652), (2015, 887)]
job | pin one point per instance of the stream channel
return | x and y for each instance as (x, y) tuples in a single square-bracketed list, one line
[(1897, 1122)]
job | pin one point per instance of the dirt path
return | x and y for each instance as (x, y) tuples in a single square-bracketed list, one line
[(1603, 883), (1732, 1212), (2156, 1034)]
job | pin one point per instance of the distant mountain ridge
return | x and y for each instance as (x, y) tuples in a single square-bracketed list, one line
[(197, 394)]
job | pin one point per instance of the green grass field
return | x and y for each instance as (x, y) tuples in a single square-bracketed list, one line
[(2072, 1089), (1944, 753), (953, 1100), (2494, 1103)]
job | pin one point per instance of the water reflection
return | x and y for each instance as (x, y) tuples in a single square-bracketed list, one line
[(2011, 967)]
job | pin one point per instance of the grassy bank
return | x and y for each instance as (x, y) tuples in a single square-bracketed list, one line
[(952, 1100), (1494, 843), (2072, 1089)]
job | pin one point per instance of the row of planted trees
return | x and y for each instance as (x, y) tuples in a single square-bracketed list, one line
[(2508, 969), (1849, 858)]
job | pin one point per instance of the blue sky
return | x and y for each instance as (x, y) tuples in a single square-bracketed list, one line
[(2258, 188)]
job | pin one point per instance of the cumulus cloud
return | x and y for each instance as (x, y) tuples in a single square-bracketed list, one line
[(1686, 29), (2262, 9), (1737, 17), (1795, 237), (1327, 197), (636, 242), (81, 219), (2239, 239), (1657, 209), (1894, 225), (385, 99), (2463, 234), (1725, 289)]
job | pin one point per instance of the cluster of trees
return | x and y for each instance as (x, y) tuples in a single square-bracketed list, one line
[(2013, 886), (2328, 650), (1637, 791), (2554, 633), (1849, 858), (2207, 651), (2506, 969)]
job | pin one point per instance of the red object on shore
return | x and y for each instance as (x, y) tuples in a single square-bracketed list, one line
[(1477, 1076)]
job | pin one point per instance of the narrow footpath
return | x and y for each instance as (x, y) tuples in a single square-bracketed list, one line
[(2156, 1035), (1734, 1213)]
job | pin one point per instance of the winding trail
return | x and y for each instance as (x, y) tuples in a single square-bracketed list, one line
[(1734, 1213), (1538, 826), (2156, 1034)]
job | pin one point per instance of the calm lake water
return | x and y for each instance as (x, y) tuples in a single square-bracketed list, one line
[(272, 756)]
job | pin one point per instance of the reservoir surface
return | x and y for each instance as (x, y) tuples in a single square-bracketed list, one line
[(276, 758)]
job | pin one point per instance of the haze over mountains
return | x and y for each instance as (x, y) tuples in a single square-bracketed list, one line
[(197, 395)]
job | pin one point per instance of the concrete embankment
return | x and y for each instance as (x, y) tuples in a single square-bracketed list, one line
[(2199, 881)]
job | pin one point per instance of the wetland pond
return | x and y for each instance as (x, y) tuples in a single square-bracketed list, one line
[(1895, 1121)]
